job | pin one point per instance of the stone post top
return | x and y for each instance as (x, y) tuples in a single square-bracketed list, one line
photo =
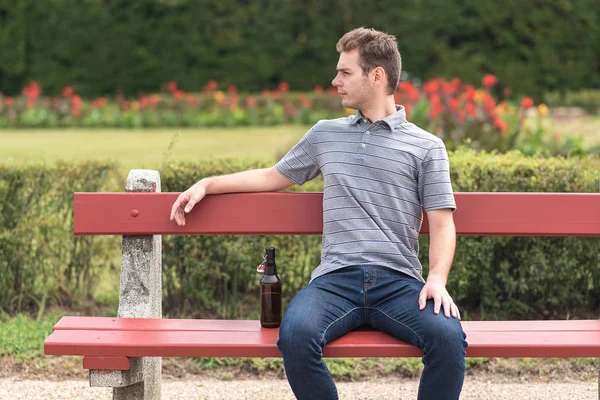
[(143, 180)]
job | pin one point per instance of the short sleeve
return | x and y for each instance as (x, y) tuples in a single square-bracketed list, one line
[(435, 188), (299, 165)]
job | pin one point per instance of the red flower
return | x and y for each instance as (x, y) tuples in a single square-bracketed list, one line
[(500, 124), (68, 91), (265, 93), (455, 83), (76, 101), (318, 89), (9, 100), (332, 91), (154, 99), (489, 80), (233, 99), (436, 99), (411, 91), (526, 103), (32, 91), (191, 100), (99, 102), (432, 86), (306, 103), (489, 104), (436, 107), (453, 105), (447, 88), (172, 86), (212, 85), (284, 87), (470, 93), (232, 90), (470, 109), (251, 101), (178, 95)]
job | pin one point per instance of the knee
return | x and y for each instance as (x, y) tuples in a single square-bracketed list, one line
[(446, 336), (298, 337)]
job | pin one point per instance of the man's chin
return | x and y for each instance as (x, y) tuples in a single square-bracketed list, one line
[(347, 104)]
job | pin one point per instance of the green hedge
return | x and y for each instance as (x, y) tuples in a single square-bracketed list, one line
[(492, 277), (41, 262), (104, 47)]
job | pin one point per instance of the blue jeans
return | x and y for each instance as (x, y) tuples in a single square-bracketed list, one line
[(336, 303)]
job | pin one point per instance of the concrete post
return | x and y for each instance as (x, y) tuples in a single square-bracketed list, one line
[(140, 297)]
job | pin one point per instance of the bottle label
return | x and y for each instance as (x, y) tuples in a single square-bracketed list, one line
[(261, 267)]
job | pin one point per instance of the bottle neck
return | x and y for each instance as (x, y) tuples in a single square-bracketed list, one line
[(270, 267)]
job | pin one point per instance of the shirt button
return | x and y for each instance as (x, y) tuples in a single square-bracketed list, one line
[(365, 121), (363, 145), (368, 132)]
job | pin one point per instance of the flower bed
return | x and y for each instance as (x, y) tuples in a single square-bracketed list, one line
[(458, 113)]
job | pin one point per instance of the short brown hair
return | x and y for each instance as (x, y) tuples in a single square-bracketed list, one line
[(375, 49)]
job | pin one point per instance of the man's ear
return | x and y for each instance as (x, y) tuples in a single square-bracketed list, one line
[(378, 76)]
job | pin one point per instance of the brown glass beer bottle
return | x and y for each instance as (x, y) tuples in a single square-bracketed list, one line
[(270, 293)]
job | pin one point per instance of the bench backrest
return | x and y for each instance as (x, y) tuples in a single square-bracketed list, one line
[(512, 214)]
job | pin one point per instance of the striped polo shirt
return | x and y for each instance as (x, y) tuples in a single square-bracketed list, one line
[(377, 178)]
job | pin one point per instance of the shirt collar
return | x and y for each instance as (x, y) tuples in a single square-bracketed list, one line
[(392, 120)]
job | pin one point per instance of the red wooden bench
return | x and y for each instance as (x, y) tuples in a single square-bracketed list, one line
[(108, 344)]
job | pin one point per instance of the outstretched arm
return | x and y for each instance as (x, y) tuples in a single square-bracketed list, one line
[(255, 180)]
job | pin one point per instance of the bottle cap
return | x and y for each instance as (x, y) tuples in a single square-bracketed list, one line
[(271, 252)]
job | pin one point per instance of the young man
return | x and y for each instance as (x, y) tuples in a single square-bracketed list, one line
[(379, 170)]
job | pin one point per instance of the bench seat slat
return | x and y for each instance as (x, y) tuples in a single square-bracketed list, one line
[(156, 324), (355, 344)]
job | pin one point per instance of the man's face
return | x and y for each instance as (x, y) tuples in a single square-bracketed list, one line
[(352, 85)]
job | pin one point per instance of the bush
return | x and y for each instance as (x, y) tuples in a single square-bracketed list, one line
[(493, 277), (458, 113), (42, 263), (588, 99), (104, 47)]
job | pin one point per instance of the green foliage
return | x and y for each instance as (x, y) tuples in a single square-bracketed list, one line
[(103, 47), (588, 99), (43, 264), (42, 261), (22, 337)]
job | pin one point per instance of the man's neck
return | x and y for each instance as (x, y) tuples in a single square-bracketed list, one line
[(379, 110)]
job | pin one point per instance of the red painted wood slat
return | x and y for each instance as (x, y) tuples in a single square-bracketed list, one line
[(354, 344), (544, 214), (155, 324), (106, 363)]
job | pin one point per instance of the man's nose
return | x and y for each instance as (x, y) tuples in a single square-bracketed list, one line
[(335, 81)]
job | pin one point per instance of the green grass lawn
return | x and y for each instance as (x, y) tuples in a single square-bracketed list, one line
[(588, 127), (146, 148)]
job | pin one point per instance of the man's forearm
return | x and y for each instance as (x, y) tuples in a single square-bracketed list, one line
[(442, 243), (256, 180)]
